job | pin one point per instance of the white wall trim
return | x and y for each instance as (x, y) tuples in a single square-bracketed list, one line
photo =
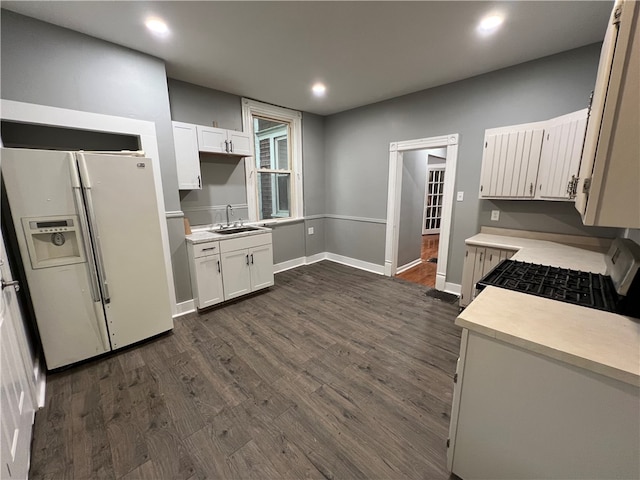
[(355, 263), (146, 131), (318, 257), (356, 219), (409, 265), (174, 214), (454, 288), (289, 264), (183, 308), (394, 195)]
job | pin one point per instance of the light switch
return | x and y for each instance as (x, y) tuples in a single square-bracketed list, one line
[(495, 215), (310, 230), (460, 196)]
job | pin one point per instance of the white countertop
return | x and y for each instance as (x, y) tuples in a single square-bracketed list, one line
[(598, 341), (205, 234)]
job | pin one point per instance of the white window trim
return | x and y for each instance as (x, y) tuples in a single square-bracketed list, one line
[(294, 118)]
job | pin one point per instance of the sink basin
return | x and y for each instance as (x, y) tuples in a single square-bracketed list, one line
[(229, 231)]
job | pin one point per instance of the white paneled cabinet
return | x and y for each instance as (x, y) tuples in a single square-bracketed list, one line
[(219, 140), (206, 273), (560, 156), (478, 261), (534, 160), (510, 161), (230, 268), (185, 140)]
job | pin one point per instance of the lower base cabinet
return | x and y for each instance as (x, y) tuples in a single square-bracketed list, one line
[(517, 414), (478, 261), (229, 268)]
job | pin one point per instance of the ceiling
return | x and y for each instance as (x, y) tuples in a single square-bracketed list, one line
[(363, 51)]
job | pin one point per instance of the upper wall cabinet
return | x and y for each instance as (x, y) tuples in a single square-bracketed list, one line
[(608, 192), (219, 140), (510, 161), (560, 156), (185, 140), (533, 161)]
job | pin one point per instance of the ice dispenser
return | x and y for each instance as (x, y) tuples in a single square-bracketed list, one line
[(53, 241)]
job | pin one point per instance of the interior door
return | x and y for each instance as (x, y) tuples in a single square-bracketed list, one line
[(433, 200), (16, 383), (125, 223)]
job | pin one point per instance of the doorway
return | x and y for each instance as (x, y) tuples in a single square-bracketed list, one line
[(435, 207)]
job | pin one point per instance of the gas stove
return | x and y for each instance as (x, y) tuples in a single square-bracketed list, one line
[(617, 292)]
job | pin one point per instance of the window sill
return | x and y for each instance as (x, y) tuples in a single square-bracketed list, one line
[(281, 221)]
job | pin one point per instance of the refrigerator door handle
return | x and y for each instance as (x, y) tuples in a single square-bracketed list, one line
[(93, 225), (84, 230)]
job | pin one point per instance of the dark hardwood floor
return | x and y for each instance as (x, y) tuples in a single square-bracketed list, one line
[(425, 272), (331, 373)]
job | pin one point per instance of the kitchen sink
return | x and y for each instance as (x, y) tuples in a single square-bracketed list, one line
[(229, 231)]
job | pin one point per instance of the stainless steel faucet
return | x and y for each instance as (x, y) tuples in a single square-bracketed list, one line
[(229, 210)]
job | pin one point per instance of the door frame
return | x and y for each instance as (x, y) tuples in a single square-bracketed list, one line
[(396, 150)]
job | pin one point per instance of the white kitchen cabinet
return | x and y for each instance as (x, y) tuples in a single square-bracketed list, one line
[(560, 156), (247, 264), (478, 261), (219, 140), (607, 192), (185, 139), (520, 414), (206, 274), (510, 161)]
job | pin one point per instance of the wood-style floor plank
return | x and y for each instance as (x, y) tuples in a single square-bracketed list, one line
[(331, 373)]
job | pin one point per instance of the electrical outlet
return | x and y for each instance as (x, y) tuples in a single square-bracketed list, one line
[(460, 196), (495, 215), (310, 231)]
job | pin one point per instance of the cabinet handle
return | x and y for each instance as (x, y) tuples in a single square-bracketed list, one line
[(247, 259), (226, 146), (219, 271), (209, 248), (199, 183), (466, 254), (481, 187), (481, 257), (252, 259), (231, 145), (531, 188), (491, 257)]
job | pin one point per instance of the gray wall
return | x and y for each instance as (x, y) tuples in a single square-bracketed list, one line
[(357, 142), (48, 65), (414, 176)]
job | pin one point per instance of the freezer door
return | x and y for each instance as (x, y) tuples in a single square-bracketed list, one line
[(68, 309), (123, 211)]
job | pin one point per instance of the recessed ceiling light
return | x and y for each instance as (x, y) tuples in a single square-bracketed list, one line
[(490, 24), (157, 26), (319, 89)]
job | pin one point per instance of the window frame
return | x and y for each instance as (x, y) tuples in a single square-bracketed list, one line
[(294, 119)]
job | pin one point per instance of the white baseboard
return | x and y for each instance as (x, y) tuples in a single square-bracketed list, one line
[(289, 264), (318, 257), (355, 263), (454, 288), (408, 266), (185, 307)]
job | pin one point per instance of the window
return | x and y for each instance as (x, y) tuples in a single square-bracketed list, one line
[(274, 185)]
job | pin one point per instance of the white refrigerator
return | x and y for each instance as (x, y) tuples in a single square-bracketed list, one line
[(89, 235)]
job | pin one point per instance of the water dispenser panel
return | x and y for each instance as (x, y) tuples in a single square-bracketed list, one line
[(53, 241)]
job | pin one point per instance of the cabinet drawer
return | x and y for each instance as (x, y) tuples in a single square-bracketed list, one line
[(206, 249), (242, 243)]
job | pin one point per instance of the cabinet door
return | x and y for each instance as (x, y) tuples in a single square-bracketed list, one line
[(261, 260), (510, 161), (209, 280), (212, 140), (506, 254), (185, 140), (478, 269), (467, 276), (491, 259), (235, 274), (239, 143), (561, 152)]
